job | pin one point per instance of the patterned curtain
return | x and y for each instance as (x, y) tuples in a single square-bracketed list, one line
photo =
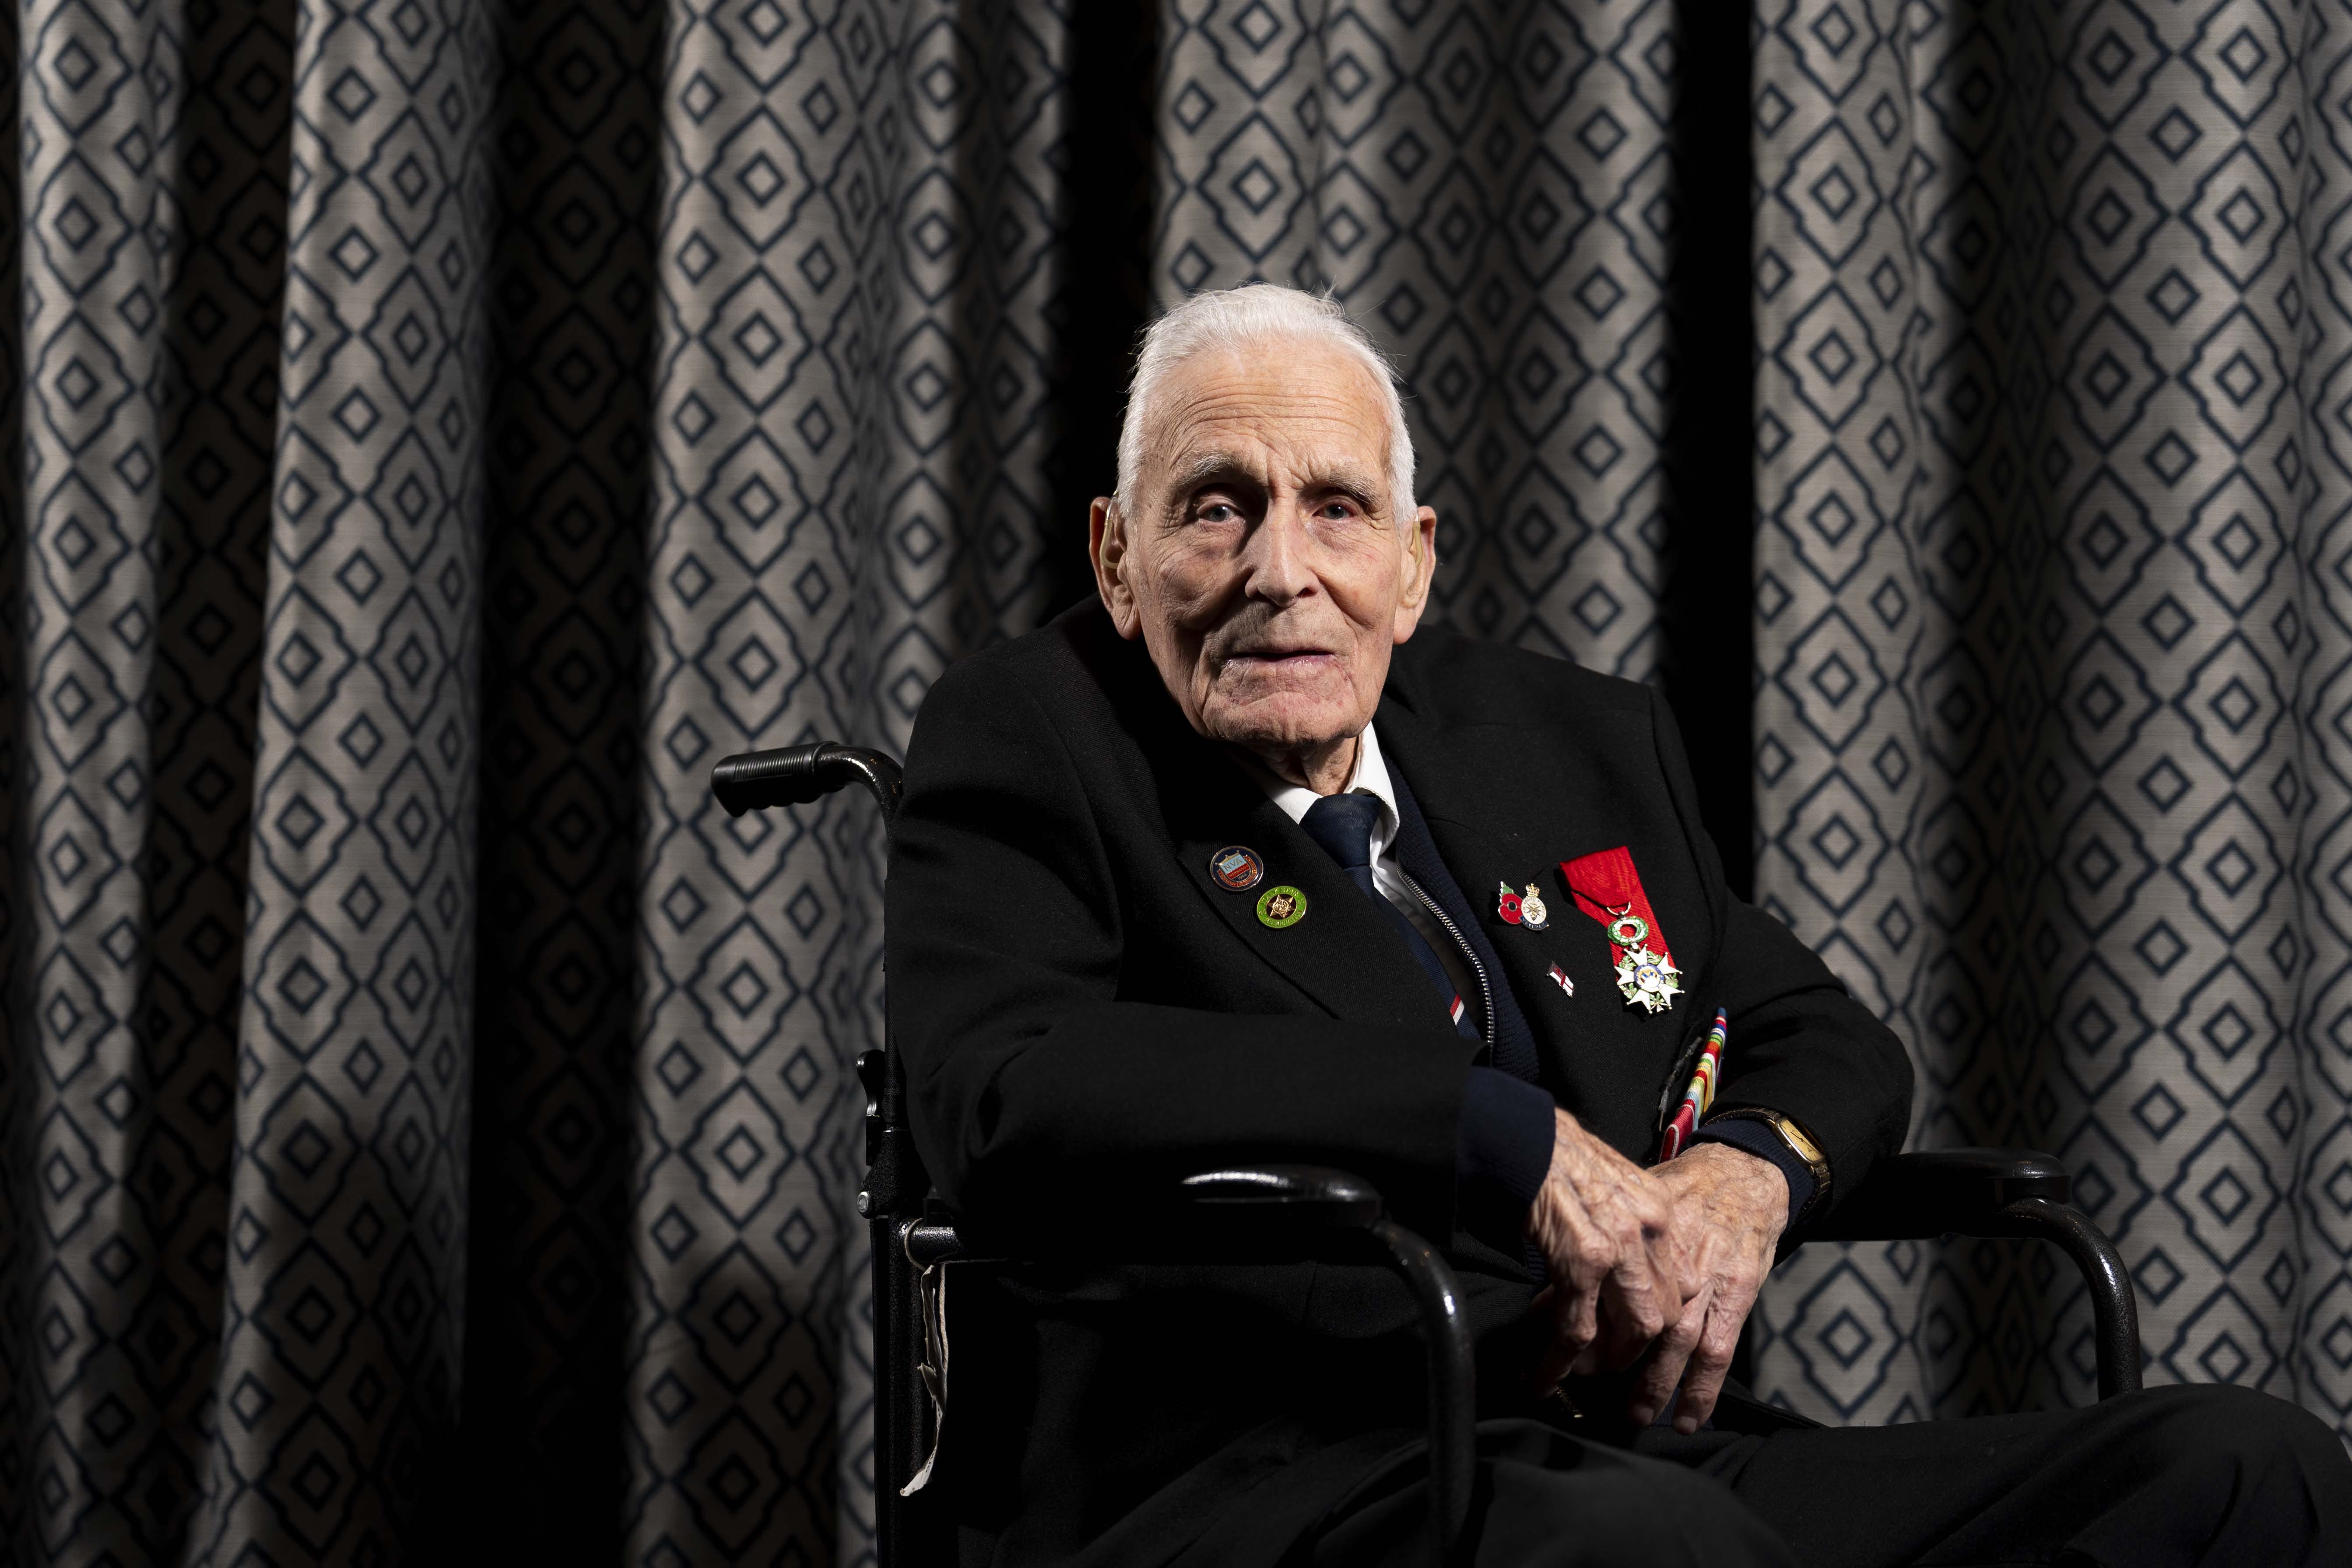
[(444, 432), (2051, 313)]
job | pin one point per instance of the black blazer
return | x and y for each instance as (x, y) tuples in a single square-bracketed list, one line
[(1084, 1015)]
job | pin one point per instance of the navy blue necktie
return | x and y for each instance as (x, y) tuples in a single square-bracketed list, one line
[(1342, 825)]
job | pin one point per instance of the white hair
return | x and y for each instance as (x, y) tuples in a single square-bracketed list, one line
[(1233, 320)]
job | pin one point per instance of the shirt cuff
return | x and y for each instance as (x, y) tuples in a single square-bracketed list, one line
[(1757, 1139), (1502, 1151)]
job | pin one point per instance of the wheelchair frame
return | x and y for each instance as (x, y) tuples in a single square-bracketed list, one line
[(1295, 1213)]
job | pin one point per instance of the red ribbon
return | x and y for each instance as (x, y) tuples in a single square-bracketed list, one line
[(1604, 884)]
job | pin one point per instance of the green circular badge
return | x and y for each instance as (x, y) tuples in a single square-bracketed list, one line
[(1282, 906)]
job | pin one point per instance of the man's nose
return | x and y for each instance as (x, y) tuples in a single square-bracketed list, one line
[(1279, 557)]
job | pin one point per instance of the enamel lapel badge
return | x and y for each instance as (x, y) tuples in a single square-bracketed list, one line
[(1282, 907), (1526, 909), (1236, 869)]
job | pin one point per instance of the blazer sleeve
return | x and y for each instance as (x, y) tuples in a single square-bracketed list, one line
[(1797, 1042), (1040, 1100)]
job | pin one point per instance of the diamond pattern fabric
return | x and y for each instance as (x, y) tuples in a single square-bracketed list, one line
[(2050, 638), (1488, 189)]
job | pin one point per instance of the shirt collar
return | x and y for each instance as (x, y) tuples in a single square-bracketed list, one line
[(1372, 778)]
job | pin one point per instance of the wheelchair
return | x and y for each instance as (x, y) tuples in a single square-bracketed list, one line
[(1297, 1213)]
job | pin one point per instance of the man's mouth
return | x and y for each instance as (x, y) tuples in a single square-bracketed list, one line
[(1276, 658)]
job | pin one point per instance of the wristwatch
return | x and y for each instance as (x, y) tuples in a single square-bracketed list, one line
[(1799, 1142)]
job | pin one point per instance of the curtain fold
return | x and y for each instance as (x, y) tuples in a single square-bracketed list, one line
[(136, 491), (344, 1297), (859, 255), (572, 158)]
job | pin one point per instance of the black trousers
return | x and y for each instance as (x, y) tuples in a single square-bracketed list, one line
[(2205, 1475)]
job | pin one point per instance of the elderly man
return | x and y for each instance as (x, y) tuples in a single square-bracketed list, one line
[(1234, 866)]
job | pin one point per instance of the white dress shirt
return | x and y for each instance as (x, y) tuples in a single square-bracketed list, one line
[(1372, 778)]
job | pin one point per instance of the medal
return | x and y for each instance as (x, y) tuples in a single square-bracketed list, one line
[(1508, 905), (1532, 913), (1280, 907), (1236, 869), (1644, 974), (1606, 887)]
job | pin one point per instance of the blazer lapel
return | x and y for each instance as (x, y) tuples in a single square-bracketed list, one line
[(1343, 954), (1493, 823)]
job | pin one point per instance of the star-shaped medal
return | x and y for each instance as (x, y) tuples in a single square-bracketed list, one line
[(1645, 976)]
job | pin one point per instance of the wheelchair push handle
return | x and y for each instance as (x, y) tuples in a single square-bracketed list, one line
[(796, 776)]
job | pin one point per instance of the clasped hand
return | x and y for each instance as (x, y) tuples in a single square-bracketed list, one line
[(1658, 1268)]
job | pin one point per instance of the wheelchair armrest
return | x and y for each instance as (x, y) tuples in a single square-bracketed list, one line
[(1233, 1214), (1999, 1192), (1281, 1206), (1279, 1214), (1942, 1191)]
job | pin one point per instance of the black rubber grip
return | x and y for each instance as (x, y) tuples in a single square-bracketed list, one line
[(789, 775), (796, 776)]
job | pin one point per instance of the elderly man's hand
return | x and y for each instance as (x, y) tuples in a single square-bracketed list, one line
[(1730, 1208), (1606, 1228)]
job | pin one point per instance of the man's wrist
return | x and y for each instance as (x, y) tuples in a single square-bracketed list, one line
[(1750, 1165), (1760, 1139)]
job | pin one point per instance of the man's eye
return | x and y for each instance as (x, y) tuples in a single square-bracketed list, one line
[(1217, 511), (1337, 509)]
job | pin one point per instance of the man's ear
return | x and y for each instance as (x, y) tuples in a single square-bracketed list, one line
[(1106, 548), (1420, 571)]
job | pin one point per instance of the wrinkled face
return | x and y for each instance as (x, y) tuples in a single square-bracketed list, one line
[(1261, 563)]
